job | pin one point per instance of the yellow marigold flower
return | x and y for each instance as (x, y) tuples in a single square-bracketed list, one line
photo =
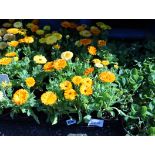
[(59, 64), (95, 30), (57, 46), (88, 71), (39, 59), (92, 50), (11, 54), (105, 62), (85, 42), (48, 66), (70, 94), (57, 35), (13, 30), (13, 43), (67, 55), (5, 61), (30, 81), (107, 76), (101, 43), (49, 98), (77, 80), (116, 66), (85, 33), (40, 32), (16, 58), (21, 40), (98, 65), (20, 97), (51, 40), (28, 39), (96, 61), (103, 26), (86, 90), (87, 81), (47, 28), (65, 85)]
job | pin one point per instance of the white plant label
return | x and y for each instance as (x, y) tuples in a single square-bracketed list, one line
[(96, 122)]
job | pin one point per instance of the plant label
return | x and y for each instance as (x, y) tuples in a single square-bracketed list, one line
[(96, 122), (71, 121), (4, 78)]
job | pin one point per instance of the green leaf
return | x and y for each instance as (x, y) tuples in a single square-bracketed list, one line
[(151, 131), (143, 110), (55, 119), (80, 117), (87, 118)]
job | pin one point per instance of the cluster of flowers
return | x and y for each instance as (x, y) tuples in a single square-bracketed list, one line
[(66, 70)]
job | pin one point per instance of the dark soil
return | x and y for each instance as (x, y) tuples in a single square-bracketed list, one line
[(28, 127)]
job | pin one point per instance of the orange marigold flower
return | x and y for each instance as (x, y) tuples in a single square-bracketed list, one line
[(11, 54), (20, 97), (101, 43), (13, 43), (5, 61), (95, 30), (107, 76), (86, 90), (34, 27), (81, 27), (59, 64), (92, 50), (49, 98), (88, 71), (48, 66), (85, 42), (30, 81), (65, 85), (65, 24), (70, 94), (77, 80)]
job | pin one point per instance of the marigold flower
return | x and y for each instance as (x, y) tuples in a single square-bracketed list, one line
[(95, 30), (107, 76), (3, 45), (101, 43), (59, 64), (65, 85), (28, 39), (6, 85), (116, 66), (16, 58), (34, 27), (13, 43), (51, 39), (67, 55), (48, 66), (77, 80), (49, 98), (86, 90), (11, 54), (87, 81), (105, 62), (81, 27), (30, 81), (47, 28), (40, 32), (70, 94), (5, 61), (85, 42), (88, 71), (98, 65), (57, 46), (13, 30), (96, 61), (18, 24), (85, 33), (3, 31), (92, 50), (57, 35), (65, 24), (20, 97), (39, 59)]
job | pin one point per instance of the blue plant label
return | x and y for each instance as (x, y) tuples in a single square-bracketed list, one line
[(96, 122), (4, 78), (71, 121)]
